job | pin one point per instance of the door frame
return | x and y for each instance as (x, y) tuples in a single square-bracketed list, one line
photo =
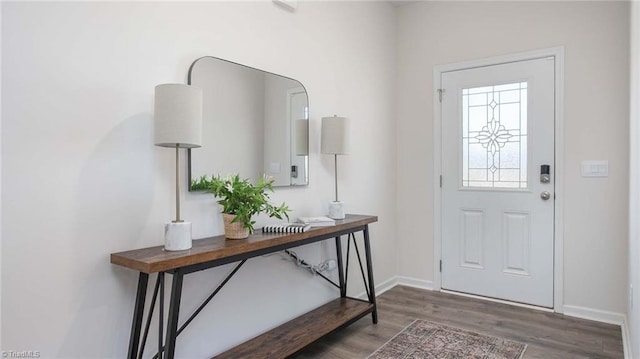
[(290, 123), (558, 260)]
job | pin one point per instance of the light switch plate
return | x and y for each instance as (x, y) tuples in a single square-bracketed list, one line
[(595, 168)]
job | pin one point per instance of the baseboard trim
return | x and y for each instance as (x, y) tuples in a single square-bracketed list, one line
[(626, 340), (380, 288), (415, 283), (594, 314), (399, 280), (385, 286)]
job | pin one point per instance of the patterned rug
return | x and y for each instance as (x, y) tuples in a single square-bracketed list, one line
[(422, 340)]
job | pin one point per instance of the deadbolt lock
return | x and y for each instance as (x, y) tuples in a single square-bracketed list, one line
[(545, 176)]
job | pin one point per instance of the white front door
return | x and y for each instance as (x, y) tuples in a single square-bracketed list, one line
[(497, 220)]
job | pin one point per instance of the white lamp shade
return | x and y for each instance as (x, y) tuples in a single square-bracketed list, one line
[(178, 116), (334, 136), (302, 137)]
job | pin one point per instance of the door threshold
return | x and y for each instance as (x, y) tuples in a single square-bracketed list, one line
[(489, 299)]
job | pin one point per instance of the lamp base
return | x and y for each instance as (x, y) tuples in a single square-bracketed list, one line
[(177, 236), (336, 210)]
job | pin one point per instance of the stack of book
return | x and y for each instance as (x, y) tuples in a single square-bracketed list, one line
[(285, 228), (320, 221)]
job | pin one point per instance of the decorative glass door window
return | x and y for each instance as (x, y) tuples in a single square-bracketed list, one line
[(494, 136)]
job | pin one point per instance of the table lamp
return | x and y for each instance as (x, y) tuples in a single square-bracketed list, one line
[(178, 124), (335, 141)]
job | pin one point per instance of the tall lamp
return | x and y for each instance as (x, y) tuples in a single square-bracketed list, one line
[(178, 124), (335, 141)]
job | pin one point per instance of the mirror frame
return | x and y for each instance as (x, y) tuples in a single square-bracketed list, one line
[(189, 74)]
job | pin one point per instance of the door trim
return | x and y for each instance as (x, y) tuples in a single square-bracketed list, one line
[(558, 260)]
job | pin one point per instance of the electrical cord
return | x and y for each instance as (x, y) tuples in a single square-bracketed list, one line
[(315, 270)]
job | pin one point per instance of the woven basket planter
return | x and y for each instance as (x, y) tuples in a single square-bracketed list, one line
[(234, 230)]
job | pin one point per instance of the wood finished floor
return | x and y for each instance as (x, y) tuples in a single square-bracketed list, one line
[(547, 335)]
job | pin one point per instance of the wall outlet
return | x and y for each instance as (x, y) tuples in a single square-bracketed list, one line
[(332, 264)]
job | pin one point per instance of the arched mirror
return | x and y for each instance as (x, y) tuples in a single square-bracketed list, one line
[(254, 123)]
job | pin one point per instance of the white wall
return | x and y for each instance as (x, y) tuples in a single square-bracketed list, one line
[(633, 315), (595, 36), (81, 178)]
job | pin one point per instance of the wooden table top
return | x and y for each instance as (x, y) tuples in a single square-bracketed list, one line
[(156, 259)]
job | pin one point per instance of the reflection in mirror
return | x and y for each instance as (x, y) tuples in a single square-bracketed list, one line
[(254, 123)]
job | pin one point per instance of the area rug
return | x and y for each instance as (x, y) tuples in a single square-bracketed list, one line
[(423, 339)]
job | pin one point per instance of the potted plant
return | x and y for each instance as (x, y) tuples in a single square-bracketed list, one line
[(240, 201)]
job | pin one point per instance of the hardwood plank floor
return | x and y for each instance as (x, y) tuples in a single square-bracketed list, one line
[(547, 335)]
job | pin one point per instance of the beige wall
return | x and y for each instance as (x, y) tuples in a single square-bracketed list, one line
[(82, 179), (595, 36)]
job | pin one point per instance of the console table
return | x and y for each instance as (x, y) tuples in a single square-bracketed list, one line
[(206, 253)]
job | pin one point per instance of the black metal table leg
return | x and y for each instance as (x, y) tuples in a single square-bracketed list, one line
[(372, 290), (138, 313), (174, 309), (161, 314), (150, 315), (343, 287)]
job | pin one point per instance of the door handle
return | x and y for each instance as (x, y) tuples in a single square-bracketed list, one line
[(545, 176), (545, 195)]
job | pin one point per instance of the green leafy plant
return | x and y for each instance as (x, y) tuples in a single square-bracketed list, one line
[(240, 197)]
